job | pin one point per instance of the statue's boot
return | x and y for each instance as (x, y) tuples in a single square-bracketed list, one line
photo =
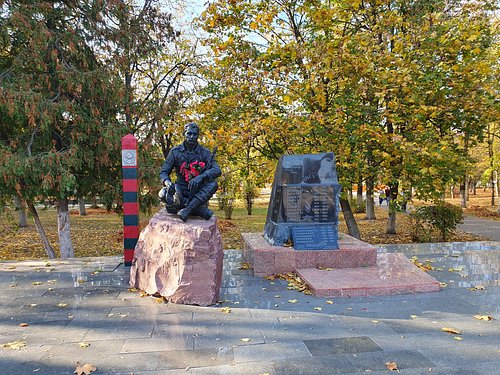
[(203, 212), (186, 211)]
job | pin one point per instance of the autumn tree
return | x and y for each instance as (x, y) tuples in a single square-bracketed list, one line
[(58, 100), (156, 62), (392, 87)]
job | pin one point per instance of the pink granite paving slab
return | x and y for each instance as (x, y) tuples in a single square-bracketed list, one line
[(393, 274)]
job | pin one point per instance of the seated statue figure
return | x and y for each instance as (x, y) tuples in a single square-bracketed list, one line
[(196, 171)]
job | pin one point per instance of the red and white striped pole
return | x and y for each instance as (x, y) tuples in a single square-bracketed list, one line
[(130, 198)]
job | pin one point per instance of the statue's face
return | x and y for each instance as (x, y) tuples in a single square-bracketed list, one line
[(191, 136)]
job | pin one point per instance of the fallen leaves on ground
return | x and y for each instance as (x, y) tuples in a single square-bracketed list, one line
[(294, 282), (392, 366), (483, 317), (225, 310), (426, 267), (14, 345), (451, 330), (83, 344), (86, 369), (99, 233), (245, 266), (477, 287)]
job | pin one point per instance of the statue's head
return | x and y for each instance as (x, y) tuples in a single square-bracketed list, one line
[(191, 133)]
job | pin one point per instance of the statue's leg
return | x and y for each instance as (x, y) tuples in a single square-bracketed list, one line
[(192, 205), (197, 204), (204, 212), (204, 194), (206, 191)]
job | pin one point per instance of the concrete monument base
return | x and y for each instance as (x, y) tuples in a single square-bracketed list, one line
[(182, 261), (353, 270), (270, 260)]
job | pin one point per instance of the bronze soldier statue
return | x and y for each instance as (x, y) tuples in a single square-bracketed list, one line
[(196, 171)]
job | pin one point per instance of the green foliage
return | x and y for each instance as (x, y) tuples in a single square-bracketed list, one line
[(357, 208), (392, 88), (226, 194), (443, 218), (249, 192)]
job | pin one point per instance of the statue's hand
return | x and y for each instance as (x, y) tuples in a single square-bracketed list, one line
[(195, 183), (168, 184)]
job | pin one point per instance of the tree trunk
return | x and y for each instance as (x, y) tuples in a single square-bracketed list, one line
[(391, 220), (496, 182), (63, 229), (249, 204), (350, 220), (494, 187), (23, 220), (359, 194), (370, 204), (81, 206), (94, 203), (463, 193), (38, 224)]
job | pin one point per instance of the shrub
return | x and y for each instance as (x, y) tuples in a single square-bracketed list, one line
[(442, 217), (358, 209)]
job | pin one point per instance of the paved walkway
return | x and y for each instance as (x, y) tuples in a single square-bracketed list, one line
[(483, 227), (53, 314)]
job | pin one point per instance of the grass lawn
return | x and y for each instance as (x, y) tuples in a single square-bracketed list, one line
[(100, 233)]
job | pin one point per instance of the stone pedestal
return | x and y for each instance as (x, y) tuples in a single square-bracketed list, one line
[(180, 261), (355, 269), (268, 260)]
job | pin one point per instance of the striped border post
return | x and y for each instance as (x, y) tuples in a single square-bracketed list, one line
[(130, 198)]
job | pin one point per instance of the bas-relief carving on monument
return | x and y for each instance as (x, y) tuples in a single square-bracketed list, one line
[(304, 203)]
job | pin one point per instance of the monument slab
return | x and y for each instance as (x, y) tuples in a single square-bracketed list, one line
[(303, 207)]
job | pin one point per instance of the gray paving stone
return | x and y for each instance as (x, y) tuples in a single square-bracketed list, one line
[(227, 334), (158, 344), (461, 354), (314, 366), (376, 360), (343, 345), (249, 368), (270, 352)]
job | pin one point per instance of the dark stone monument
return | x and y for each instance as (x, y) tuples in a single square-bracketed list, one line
[(301, 236), (303, 209)]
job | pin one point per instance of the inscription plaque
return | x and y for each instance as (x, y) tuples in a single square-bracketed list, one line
[(314, 237)]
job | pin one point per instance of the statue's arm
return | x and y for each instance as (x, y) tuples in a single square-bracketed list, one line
[(212, 172), (166, 169)]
